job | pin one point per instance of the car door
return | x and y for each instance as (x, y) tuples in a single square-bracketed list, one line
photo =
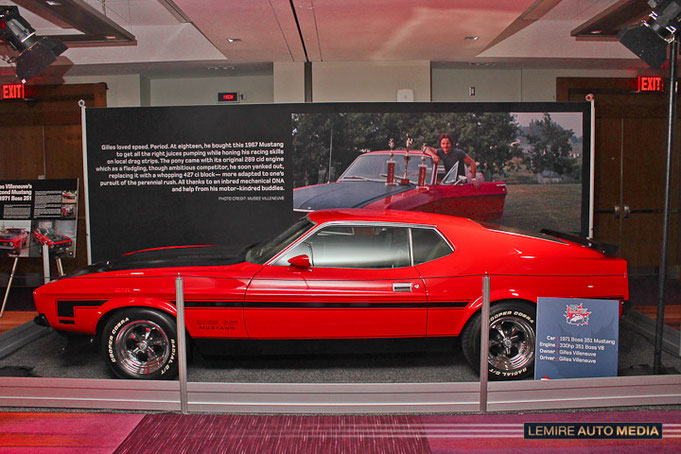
[(360, 284)]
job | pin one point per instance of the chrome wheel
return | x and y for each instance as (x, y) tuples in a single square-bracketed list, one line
[(142, 347), (511, 343)]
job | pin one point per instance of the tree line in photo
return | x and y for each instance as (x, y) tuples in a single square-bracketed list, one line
[(326, 144)]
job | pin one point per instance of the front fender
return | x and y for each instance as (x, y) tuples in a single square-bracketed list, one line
[(118, 303)]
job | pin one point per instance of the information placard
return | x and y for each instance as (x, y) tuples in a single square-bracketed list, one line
[(576, 338), (37, 212)]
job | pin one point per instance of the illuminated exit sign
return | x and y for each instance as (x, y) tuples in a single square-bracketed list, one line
[(650, 83), (12, 91), (231, 96)]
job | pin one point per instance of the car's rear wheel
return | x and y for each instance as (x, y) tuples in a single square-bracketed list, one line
[(141, 343), (512, 338)]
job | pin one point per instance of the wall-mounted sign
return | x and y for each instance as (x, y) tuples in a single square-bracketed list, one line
[(650, 83), (12, 91), (231, 96), (576, 338)]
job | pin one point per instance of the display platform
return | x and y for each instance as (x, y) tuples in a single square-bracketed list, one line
[(55, 355)]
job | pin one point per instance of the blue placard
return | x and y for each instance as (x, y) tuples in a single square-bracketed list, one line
[(576, 338)]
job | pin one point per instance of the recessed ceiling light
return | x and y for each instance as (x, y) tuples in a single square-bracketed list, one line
[(53, 3), (233, 40), (472, 38), (596, 32)]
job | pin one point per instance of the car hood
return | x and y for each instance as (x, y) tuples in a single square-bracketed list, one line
[(168, 257), (343, 194)]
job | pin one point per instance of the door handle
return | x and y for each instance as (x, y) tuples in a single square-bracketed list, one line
[(622, 211), (402, 287)]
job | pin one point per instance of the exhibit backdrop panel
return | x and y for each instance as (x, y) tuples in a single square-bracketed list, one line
[(232, 175)]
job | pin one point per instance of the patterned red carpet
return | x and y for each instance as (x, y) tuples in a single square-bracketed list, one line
[(105, 433)]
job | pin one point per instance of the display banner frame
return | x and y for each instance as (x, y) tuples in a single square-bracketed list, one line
[(137, 201)]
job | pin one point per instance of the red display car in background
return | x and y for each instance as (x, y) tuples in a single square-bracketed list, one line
[(56, 242), (363, 185), (336, 274), (12, 239)]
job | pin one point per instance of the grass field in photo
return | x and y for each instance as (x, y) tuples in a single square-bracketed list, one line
[(538, 206)]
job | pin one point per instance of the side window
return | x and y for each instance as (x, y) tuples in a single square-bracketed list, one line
[(355, 247), (428, 245)]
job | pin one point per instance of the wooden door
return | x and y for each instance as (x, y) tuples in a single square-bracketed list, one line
[(630, 160)]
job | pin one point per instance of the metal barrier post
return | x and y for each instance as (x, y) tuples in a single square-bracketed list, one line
[(46, 264), (9, 284), (484, 343), (181, 344)]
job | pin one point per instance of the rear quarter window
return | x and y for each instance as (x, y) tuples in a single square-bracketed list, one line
[(428, 245)]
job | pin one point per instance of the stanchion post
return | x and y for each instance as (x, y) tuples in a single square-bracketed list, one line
[(9, 284), (484, 342), (181, 344), (46, 264)]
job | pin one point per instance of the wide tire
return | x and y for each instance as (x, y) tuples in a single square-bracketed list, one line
[(512, 339), (142, 344)]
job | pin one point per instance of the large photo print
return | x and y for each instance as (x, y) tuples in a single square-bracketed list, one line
[(520, 169)]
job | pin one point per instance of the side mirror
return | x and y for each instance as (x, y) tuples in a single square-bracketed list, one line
[(300, 261)]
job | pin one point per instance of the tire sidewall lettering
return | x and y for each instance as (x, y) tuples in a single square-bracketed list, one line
[(112, 337), (171, 359)]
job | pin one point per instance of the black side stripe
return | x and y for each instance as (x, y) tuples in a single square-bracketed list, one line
[(295, 305), (65, 308), (211, 304)]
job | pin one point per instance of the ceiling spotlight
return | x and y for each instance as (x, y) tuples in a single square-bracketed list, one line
[(472, 38), (650, 39), (233, 40), (35, 53)]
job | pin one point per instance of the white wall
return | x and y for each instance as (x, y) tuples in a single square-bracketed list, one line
[(369, 81), (506, 85), (346, 82), (540, 84), (202, 91), (453, 85), (122, 91), (289, 82)]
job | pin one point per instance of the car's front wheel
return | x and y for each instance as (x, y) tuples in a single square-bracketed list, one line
[(141, 343), (512, 338)]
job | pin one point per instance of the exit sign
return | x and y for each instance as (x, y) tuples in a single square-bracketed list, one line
[(231, 96), (650, 83), (12, 91)]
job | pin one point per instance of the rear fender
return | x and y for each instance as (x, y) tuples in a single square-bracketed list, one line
[(504, 295)]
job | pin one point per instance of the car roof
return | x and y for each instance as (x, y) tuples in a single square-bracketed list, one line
[(407, 217), (414, 152)]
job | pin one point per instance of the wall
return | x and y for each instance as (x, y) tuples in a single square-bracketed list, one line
[(511, 85), (122, 90), (369, 81), (346, 81), (204, 91)]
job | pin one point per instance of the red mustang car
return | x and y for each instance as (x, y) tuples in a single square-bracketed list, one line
[(56, 242), (13, 239), (363, 185), (336, 274)]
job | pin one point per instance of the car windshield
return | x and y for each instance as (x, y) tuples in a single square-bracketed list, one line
[(374, 167), (262, 252)]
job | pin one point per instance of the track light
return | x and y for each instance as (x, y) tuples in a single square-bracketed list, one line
[(35, 53), (649, 40)]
